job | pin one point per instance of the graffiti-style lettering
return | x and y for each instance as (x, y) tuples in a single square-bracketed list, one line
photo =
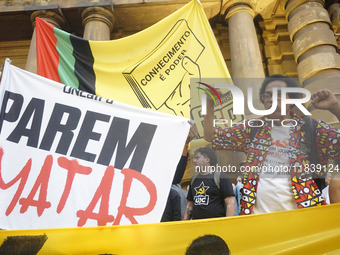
[(130, 212), (73, 168), (103, 193), (22, 177), (42, 183)]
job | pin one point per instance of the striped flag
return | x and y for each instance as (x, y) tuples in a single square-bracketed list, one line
[(64, 58)]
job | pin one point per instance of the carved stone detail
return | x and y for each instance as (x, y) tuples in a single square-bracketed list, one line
[(98, 23)]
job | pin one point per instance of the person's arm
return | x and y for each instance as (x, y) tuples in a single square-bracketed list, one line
[(324, 99), (193, 133), (186, 145), (230, 206), (176, 207), (208, 124), (334, 189), (188, 210), (182, 164), (227, 192), (226, 138)]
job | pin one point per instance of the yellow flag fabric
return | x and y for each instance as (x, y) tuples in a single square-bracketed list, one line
[(306, 231), (150, 69)]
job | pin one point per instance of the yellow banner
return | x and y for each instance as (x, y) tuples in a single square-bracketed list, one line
[(153, 67), (304, 231), (150, 69)]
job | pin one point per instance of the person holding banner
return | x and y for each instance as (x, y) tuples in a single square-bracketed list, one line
[(210, 192), (278, 146), (176, 203)]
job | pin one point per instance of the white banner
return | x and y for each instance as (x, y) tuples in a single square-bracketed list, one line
[(69, 158)]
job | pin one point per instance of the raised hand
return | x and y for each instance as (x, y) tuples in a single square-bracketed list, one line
[(325, 99)]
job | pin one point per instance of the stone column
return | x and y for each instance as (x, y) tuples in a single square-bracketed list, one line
[(246, 57), (98, 23), (315, 49), (246, 61), (334, 13), (51, 17)]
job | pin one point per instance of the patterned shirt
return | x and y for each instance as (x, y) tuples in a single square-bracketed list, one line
[(306, 192)]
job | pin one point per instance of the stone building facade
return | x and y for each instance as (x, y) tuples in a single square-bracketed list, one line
[(298, 38)]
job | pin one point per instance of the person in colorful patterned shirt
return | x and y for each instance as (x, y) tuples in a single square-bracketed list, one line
[(326, 100), (277, 160)]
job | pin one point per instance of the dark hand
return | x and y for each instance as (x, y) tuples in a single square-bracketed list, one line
[(324, 99)]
